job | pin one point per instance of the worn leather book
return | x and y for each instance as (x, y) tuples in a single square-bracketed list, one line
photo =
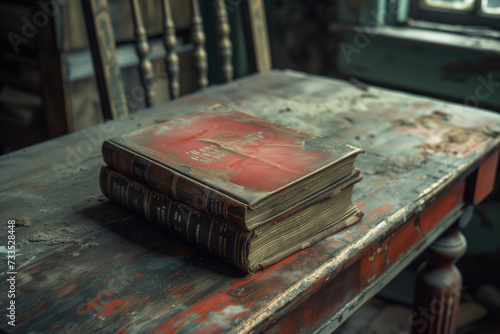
[(231, 165), (309, 221)]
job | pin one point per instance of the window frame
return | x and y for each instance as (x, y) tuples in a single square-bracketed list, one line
[(473, 16)]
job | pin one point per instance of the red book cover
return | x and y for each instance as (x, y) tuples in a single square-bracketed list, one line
[(226, 152)]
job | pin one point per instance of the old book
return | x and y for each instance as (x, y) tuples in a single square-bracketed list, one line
[(231, 165), (311, 220)]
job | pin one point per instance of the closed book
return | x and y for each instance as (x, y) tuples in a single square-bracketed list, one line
[(308, 222), (231, 165)]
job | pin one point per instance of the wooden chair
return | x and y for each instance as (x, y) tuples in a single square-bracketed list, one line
[(103, 47)]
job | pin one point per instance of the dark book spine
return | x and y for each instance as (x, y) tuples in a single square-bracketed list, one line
[(217, 237), (175, 185)]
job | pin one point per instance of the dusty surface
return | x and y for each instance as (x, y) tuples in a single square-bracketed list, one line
[(23, 221)]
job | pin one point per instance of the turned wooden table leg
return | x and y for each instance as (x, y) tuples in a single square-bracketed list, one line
[(438, 286)]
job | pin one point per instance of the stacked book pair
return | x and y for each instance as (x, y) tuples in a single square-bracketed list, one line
[(245, 189)]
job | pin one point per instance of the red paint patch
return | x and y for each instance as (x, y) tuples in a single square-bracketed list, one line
[(184, 287), (348, 236), (139, 275), (485, 178), (113, 307), (200, 313), (219, 301), (439, 208), (382, 209), (361, 205), (373, 264), (402, 240), (122, 331), (218, 310), (85, 308), (177, 273)]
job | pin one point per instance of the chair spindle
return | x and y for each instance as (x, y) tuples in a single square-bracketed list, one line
[(142, 46), (225, 45), (198, 38), (170, 42)]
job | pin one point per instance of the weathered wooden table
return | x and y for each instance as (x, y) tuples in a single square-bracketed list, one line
[(83, 264)]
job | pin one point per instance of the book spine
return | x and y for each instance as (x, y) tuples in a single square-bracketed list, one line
[(217, 237), (175, 185)]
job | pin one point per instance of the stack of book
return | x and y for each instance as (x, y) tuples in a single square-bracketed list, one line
[(245, 189)]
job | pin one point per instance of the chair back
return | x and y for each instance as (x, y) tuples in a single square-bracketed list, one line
[(104, 51)]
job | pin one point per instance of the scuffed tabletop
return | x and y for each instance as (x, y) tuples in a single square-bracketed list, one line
[(83, 264)]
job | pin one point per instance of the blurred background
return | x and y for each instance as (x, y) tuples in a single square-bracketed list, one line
[(448, 49)]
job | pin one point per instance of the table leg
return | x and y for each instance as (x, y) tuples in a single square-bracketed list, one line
[(438, 286)]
